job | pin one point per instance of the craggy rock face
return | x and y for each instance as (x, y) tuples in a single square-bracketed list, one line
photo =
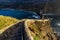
[(39, 30)]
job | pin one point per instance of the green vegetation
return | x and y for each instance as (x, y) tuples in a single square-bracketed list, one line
[(6, 21)]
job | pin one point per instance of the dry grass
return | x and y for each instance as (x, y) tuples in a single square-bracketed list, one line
[(40, 30), (6, 21)]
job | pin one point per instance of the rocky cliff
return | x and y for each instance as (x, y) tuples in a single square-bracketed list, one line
[(39, 30), (29, 29)]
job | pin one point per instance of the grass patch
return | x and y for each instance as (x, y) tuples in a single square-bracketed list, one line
[(6, 21), (38, 30)]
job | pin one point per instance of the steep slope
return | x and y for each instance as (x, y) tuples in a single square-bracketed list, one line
[(29, 29), (6, 21), (39, 30)]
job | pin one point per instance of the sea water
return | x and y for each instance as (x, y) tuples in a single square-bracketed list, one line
[(19, 14)]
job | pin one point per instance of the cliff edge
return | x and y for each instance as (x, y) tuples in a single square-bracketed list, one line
[(39, 30), (30, 29)]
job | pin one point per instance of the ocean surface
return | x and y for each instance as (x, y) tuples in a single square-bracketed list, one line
[(19, 14)]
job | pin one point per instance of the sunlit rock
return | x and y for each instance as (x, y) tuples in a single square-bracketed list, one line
[(39, 30)]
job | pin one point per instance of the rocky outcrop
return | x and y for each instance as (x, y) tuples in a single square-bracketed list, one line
[(39, 30), (29, 29)]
